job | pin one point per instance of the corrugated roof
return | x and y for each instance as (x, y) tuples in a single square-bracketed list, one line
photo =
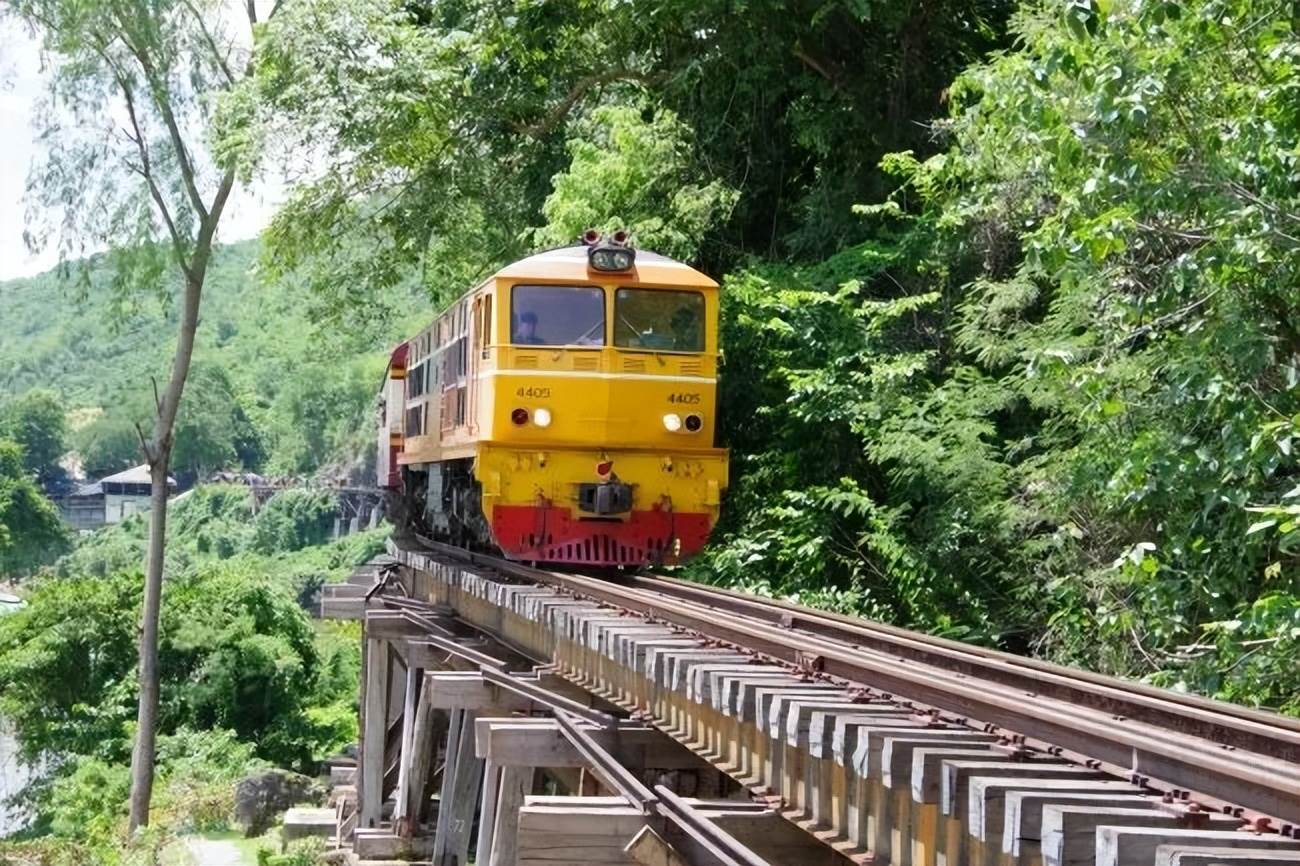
[(134, 475)]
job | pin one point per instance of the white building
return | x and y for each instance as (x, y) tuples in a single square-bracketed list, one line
[(111, 499)]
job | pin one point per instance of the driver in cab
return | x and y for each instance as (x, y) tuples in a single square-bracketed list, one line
[(526, 330)]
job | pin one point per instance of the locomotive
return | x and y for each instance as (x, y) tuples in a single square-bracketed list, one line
[(563, 411)]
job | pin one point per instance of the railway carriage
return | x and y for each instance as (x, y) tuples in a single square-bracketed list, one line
[(563, 411)]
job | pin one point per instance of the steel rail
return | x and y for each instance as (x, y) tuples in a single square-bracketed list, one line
[(1258, 779), (721, 844), (558, 704), (661, 801), (1204, 718), (610, 770)]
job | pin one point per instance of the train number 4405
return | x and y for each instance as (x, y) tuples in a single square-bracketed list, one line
[(685, 399)]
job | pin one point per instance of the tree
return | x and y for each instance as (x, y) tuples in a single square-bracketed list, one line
[(110, 443), (439, 127), (151, 190), (31, 531), (237, 652), (627, 172), (213, 432), (35, 420)]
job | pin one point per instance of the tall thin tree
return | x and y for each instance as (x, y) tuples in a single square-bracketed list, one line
[(130, 166)]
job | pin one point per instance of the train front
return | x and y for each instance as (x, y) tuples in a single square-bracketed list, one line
[(603, 408)]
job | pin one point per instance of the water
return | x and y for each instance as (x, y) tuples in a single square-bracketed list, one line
[(14, 776)]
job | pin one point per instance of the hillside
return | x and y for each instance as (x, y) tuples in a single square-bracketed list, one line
[(271, 389)]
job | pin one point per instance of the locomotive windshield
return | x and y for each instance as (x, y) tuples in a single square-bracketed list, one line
[(557, 316), (659, 320)]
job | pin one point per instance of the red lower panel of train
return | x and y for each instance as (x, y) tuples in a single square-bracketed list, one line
[(550, 534)]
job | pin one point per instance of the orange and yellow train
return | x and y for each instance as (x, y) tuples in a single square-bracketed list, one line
[(563, 411)]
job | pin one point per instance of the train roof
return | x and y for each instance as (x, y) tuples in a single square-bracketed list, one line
[(570, 263)]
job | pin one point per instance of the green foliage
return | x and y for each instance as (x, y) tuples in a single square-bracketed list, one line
[(294, 519), (108, 445), (236, 653), (440, 128), (213, 431), (31, 532), (299, 852), (247, 678), (636, 174), (270, 391), (1029, 398), (197, 771), (1053, 403), (36, 421)]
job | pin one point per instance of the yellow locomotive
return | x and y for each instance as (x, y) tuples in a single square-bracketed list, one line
[(563, 411)]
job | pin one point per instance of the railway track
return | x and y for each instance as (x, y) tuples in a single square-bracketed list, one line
[(875, 743)]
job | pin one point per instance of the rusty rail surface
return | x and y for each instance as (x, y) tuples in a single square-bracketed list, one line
[(1225, 756)]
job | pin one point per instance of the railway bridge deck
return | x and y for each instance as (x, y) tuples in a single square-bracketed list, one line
[(513, 716)]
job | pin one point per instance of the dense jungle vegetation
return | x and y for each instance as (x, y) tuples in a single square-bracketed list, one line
[(249, 682), (1011, 296)]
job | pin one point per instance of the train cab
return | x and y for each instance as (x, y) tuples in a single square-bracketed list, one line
[(564, 411)]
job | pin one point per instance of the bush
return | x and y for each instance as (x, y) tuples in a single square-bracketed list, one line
[(294, 519), (299, 852), (236, 652)]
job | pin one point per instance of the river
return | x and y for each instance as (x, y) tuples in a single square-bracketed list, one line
[(14, 775)]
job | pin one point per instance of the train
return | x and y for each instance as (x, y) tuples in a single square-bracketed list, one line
[(563, 411)]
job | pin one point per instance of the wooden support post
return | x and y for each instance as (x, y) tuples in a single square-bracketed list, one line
[(413, 675), (460, 796), (1070, 836), (1122, 845), (487, 811), (454, 730), (411, 791), (1195, 854), (986, 806), (956, 846), (516, 784), (1022, 823), (375, 733)]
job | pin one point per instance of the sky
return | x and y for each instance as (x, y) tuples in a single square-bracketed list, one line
[(21, 85)]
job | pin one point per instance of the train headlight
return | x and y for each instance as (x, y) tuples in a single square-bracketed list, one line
[(694, 423), (542, 417), (519, 417), (604, 258), (672, 422)]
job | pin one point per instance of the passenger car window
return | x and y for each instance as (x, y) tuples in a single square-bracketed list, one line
[(659, 320), (557, 316)]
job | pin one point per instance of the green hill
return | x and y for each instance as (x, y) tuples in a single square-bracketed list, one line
[(272, 389)]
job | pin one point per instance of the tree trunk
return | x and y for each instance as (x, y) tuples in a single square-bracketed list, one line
[(142, 756), (159, 451)]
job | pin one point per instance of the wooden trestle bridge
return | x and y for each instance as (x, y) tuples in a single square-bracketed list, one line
[(516, 717)]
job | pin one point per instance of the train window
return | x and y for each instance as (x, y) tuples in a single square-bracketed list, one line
[(660, 320), (557, 316), (416, 384)]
